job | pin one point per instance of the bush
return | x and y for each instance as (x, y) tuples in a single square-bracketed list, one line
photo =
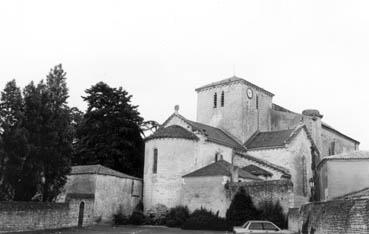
[(241, 209), (157, 215), (202, 219), (177, 216), (137, 218), (273, 212), (120, 219)]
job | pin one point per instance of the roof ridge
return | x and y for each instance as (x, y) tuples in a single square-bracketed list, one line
[(251, 138), (231, 80), (231, 136), (266, 163)]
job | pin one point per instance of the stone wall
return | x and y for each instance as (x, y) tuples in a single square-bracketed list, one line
[(342, 144), (26, 216), (339, 177), (271, 190), (115, 194), (208, 192), (336, 216)]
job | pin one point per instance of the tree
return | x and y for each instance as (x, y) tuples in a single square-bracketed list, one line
[(54, 131), (13, 140), (36, 142), (110, 133), (241, 209), (273, 212)]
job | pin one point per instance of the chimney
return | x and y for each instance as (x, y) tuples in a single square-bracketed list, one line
[(234, 173), (313, 121)]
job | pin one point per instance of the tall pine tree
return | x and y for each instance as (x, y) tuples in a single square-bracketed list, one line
[(36, 139), (13, 142), (110, 132)]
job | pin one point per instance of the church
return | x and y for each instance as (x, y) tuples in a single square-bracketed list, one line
[(242, 138)]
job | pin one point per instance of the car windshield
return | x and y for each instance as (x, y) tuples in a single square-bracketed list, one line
[(245, 225), (270, 227)]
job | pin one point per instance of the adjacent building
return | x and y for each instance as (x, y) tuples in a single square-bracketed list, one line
[(111, 191), (343, 173)]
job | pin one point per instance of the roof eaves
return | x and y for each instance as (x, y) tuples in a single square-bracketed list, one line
[(267, 148), (263, 162), (239, 80), (326, 126)]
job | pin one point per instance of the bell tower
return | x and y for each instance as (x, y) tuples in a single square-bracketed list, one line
[(236, 106)]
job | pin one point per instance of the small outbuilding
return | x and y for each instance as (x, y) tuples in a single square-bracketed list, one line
[(343, 173), (110, 190)]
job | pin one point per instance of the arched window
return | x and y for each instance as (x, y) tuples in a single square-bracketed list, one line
[(222, 99), (155, 164), (215, 100), (257, 102)]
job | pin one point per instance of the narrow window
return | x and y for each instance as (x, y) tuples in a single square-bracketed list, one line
[(132, 186), (215, 100), (155, 164), (332, 148), (257, 102), (304, 176), (222, 99)]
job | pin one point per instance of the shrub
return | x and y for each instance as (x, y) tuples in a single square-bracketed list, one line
[(273, 212), (177, 216), (241, 209), (136, 218), (157, 215), (202, 219), (119, 218)]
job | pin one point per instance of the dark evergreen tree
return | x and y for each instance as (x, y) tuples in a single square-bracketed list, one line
[(241, 209), (273, 212), (13, 141), (37, 131), (110, 133)]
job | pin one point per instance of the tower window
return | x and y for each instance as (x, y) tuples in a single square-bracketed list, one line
[(155, 164), (215, 100), (257, 102), (332, 148), (222, 99)]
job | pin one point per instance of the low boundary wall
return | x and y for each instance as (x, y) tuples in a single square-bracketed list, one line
[(28, 216), (268, 190), (336, 216)]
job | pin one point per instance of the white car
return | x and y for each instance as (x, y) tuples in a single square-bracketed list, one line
[(260, 227)]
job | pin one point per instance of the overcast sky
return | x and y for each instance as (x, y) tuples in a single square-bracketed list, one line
[(310, 54)]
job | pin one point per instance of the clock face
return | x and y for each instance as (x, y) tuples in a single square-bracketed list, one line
[(249, 93)]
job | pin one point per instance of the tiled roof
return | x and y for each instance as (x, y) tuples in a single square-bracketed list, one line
[(173, 131), (212, 134), (360, 194), (220, 168), (355, 155), (255, 170), (100, 170), (216, 135), (234, 79), (326, 126), (273, 166), (281, 108), (269, 139)]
